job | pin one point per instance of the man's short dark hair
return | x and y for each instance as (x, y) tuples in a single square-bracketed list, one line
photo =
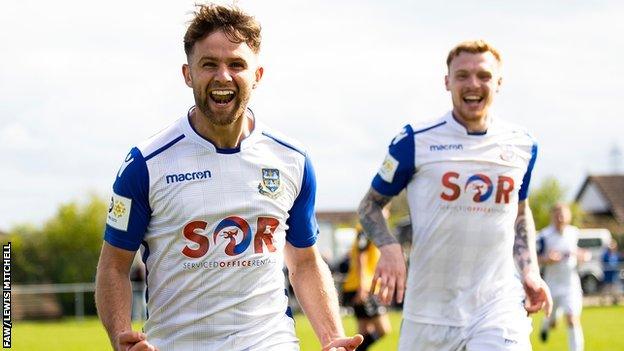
[(238, 26)]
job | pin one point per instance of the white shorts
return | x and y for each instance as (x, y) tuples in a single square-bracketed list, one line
[(505, 329), (569, 304)]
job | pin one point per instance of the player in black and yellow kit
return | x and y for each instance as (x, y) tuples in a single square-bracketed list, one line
[(372, 320)]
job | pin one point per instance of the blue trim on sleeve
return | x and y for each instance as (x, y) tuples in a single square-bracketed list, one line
[(283, 143), (132, 182), (524, 188), (403, 151), (164, 147), (302, 227)]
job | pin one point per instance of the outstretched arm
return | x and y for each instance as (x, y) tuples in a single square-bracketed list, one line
[(113, 296), (525, 255), (314, 287), (389, 275)]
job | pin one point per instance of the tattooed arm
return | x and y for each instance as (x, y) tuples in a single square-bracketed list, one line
[(373, 220), (525, 256), (389, 275)]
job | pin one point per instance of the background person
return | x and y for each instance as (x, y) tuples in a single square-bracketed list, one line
[(372, 320), (137, 278), (560, 255), (611, 259)]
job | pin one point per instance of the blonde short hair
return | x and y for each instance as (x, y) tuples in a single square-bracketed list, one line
[(474, 47)]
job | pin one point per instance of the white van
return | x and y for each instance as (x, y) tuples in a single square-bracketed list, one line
[(596, 241)]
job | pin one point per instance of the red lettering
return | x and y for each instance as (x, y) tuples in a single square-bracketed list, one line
[(456, 189), (504, 187), (201, 240), (264, 233)]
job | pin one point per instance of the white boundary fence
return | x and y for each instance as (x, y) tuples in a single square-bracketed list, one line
[(78, 289)]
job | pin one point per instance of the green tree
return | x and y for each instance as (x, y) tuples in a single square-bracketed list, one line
[(64, 250), (73, 239), (543, 198), (27, 249)]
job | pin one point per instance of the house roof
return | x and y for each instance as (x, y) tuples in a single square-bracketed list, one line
[(612, 188)]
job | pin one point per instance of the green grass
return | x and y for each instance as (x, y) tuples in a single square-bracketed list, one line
[(603, 328)]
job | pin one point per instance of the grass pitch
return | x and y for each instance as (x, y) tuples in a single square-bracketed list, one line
[(603, 328)]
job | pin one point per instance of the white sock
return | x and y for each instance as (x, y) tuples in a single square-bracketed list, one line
[(575, 338)]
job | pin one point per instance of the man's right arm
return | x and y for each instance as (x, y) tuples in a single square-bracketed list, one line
[(113, 298), (390, 272)]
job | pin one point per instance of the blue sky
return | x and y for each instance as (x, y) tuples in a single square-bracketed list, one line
[(81, 83)]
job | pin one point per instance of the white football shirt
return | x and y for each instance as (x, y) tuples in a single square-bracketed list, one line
[(562, 277), (463, 191), (212, 224)]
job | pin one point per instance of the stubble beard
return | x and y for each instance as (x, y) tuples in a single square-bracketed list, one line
[(221, 118)]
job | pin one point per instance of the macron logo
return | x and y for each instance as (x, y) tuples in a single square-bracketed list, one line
[(176, 178), (446, 147)]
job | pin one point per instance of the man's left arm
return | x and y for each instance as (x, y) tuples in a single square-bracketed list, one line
[(525, 256), (315, 291)]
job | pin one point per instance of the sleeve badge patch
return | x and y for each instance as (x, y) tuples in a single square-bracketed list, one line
[(119, 212), (388, 168)]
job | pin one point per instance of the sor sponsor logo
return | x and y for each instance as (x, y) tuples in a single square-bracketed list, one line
[(480, 186), (235, 231)]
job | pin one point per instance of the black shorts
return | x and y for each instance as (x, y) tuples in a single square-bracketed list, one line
[(369, 309)]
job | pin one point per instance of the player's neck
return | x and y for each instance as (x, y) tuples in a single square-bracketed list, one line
[(560, 228), (473, 126), (222, 136)]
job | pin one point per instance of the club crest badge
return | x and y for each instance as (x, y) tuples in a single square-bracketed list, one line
[(270, 184)]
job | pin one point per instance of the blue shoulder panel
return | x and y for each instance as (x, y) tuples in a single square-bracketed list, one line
[(131, 189), (398, 167), (302, 227), (524, 188)]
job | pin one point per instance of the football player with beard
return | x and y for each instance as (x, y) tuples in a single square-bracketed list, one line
[(217, 203)]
